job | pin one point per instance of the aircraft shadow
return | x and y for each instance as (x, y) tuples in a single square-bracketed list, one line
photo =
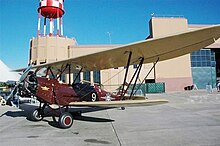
[(27, 109), (54, 123), (89, 109), (92, 119), (14, 114)]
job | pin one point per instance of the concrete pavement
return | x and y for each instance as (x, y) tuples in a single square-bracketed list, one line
[(190, 118)]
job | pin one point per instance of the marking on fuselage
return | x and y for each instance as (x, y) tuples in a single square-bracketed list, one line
[(45, 88)]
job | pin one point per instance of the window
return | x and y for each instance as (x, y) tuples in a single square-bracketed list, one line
[(193, 58), (203, 52), (202, 58), (86, 76), (63, 78), (96, 77)]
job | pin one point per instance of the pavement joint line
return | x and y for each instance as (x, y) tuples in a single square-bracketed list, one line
[(114, 130)]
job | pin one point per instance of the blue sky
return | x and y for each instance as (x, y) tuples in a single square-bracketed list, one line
[(89, 21)]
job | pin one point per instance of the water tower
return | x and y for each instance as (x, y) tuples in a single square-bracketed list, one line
[(50, 45), (50, 10)]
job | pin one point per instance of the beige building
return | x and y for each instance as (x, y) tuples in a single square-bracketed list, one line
[(175, 73)]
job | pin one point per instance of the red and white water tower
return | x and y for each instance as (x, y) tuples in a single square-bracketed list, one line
[(50, 11)]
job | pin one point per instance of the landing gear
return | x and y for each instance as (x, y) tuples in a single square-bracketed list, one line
[(65, 120), (65, 117), (37, 115)]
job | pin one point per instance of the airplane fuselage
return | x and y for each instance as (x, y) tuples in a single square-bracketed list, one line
[(52, 91)]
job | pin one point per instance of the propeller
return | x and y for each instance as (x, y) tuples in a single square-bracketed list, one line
[(15, 89)]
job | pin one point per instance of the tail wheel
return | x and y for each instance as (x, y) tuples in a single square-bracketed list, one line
[(94, 97), (65, 120), (37, 115)]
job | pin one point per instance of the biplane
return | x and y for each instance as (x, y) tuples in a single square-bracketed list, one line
[(59, 96)]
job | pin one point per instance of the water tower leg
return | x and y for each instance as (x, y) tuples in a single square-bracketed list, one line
[(51, 27), (58, 26), (45, 22), (38, 27), (61, 27)]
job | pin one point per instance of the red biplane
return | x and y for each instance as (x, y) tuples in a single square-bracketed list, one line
[(50, 91)]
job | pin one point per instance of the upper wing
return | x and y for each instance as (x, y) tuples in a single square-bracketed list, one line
[(166, 47), (124, 103)]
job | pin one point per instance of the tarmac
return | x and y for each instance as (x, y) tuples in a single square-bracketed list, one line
[(191, 118)]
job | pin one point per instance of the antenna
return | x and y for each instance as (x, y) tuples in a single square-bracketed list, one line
[(110, 39)]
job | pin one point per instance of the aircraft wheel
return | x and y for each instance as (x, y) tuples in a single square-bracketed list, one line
[(36, 115), (94, 97), (65, 120)]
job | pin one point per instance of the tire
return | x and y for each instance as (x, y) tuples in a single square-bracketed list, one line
[(36, 115), (65, 120), (94, 97)]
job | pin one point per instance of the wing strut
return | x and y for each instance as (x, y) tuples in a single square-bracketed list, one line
[(49, 69), (137, 73), (62, 71), (153, 67), (69, 74), (126, 74), (137, 70), (77, 76)]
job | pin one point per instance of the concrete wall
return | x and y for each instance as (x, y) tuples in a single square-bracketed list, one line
[(161, 26), (176, 72), (49, 49)]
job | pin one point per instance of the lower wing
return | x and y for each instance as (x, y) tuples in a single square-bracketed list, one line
[(122, 103)]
